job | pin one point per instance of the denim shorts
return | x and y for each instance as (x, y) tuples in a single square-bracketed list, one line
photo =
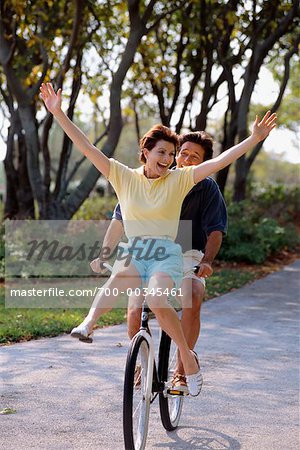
[(151, 255), (192, 258)]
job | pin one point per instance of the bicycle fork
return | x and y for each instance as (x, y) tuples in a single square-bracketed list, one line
[(150, 365)]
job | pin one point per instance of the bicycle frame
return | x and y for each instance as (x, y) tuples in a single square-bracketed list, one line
[(154, 385)]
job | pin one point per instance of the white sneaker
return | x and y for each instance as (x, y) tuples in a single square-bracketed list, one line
[(194, 382), (82, 333)]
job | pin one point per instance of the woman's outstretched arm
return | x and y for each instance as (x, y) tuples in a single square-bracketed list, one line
[(52, 101), (259, 132)]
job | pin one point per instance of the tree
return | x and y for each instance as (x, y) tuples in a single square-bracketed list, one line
[(264, 32), (179, 62), (27, 54), (206, 45), (119, 48), (178, 55)]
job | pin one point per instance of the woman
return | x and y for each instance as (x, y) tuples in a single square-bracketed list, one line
[(151, 199)]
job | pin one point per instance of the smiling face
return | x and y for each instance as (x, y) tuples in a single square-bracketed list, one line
[(159, 159), (190, 154)]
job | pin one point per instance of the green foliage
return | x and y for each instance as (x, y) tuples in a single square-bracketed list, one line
[(262, 226), (96, 208), (177, 67), (273, 169), (2, 244), (2, 252), (289, 111), (279, 202)]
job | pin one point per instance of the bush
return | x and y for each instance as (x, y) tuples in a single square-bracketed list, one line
[(96, 208), (2, 242), (254, 233), (279, 202)]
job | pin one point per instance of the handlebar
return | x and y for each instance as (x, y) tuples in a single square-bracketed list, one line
[(108, 266), (196, 269)]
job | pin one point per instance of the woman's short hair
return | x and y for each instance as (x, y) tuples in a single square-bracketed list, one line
[(201, 138), (157, 133)]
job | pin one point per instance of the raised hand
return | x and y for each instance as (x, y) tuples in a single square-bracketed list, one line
[(51, 99), (262, 129)]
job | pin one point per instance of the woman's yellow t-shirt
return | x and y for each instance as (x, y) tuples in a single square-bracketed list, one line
[(150, 207)]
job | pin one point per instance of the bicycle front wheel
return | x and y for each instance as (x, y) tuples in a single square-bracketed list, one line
[(171, 405), (136, 400)]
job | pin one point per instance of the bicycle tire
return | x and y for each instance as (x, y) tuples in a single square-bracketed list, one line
[(170, 407), (136, 406)]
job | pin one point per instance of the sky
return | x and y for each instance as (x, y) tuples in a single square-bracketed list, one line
[(282, 143)]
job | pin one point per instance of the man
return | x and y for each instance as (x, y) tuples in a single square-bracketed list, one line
[(205, 207)]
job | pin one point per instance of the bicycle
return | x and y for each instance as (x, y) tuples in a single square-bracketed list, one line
[(145, 380)]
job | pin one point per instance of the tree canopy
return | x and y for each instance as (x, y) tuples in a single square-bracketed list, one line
[(176, 59)]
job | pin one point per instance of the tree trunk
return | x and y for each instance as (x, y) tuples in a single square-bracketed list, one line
[(240, 181), (221, 178), (28, 120), (25, 197), (19, 199), (228, 141)]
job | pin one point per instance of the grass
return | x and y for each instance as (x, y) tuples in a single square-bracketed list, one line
[(20, 324), (226, 280), (24, 324)]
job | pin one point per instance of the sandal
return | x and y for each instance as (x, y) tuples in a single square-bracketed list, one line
[(179, 383), (82, 333), (195, 381), (137, 376)]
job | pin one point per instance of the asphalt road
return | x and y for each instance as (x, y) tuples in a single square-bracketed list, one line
[(68, 395)]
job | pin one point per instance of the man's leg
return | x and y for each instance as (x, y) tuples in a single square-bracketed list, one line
[(191, 290)]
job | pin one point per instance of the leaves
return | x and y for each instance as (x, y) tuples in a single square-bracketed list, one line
[(8, 411), (177, 71)]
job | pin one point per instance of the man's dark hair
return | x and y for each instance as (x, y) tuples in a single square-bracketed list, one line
[(201, 138), (157, 133)]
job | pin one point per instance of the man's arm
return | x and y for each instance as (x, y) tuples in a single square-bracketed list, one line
[(213, 245), (111, 239)]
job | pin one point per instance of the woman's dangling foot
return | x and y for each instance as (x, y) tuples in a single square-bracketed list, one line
[(83, 333)]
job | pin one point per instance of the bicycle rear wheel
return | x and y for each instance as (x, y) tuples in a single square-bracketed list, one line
[(136, 401), (170, 406)]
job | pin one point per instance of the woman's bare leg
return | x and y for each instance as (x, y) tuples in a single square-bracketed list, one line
[(169, 321), (190, 320), (134, 314), (125, 277)]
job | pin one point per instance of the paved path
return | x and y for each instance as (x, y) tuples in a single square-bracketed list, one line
[(68, 395)]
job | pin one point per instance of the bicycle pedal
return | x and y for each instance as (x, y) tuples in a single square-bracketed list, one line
[(173, 392)]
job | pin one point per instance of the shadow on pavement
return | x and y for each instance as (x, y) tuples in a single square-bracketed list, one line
[(204, 439)]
